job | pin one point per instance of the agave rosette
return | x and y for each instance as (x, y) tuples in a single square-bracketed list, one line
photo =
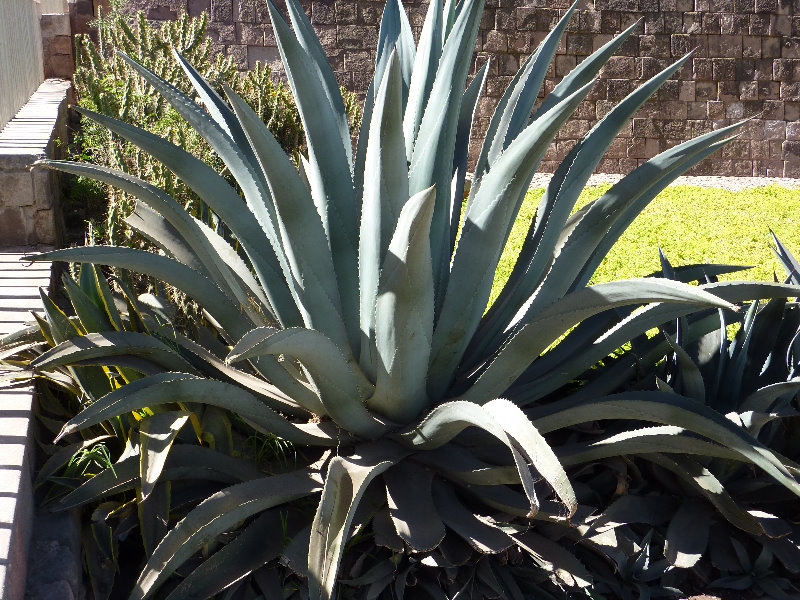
[(350, 318)]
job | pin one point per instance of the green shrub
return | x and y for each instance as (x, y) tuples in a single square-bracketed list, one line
[(348, 322)]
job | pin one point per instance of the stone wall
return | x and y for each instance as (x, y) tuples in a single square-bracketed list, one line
[(746, 64)]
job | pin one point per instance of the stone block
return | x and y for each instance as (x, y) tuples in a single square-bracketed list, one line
[(55, 25), (323, 13), (60, 66), (697, 110), (793, 131), (222, 10), (356, 37), (774, 130), (251, 11), (251, 34), (495, 41), (263, 54), (196, 7), (16, 189), (751, 46), (723, 69), (346, 13), (771, 47), (16, 226), (790, 150)]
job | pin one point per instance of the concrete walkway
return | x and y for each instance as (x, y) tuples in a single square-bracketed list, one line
[(19, 295)]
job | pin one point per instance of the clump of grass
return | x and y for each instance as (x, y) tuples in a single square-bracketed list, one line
[(692, 225)]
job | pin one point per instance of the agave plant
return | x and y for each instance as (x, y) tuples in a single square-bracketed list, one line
[(350, 319)]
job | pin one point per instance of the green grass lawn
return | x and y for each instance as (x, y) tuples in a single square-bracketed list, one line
[(692, 225)]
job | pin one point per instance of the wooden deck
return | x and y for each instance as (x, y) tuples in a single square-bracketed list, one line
[(19, 296)]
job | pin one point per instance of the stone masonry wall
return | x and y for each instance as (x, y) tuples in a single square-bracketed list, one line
[(746, 64)]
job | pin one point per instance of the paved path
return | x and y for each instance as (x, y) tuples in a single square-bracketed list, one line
[(19, 295)]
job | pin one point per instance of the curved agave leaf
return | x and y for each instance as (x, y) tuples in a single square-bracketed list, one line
[(340, 383), (762, 399), (157, 432), (150, 224), (224, 201), (259, 543), (453, 463), (404, 314), (329, 149), (664, 439), (90, 315), (177, 274), (482, 240), (215, 515), (347, 479), (447, 420), (169, 388), (212, 261), (687, 534), (789, 262), (411, 508), (704, 482), (184, 462), (534, 337), (675, 410), (304, 241), (385, 192), (481, 534), (104, 348)]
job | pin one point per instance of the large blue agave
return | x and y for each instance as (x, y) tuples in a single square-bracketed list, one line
[(347, 315)]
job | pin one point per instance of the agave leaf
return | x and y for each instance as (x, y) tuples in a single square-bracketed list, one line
[(584, 72), (157, 432), (553, 557), (347, 479), (329, 150), (290, 402), (304, 241), (310, 42), (514, 109), (384, 194), (212, 261), (238, 161), (104, 348), (177, 274), (63, 455), (259, 543), (339, 381), (482, 240), (674, 410), (224, 201), (215, 105), (447, 420), (666, 439), (762, 399), (404, 314), (789, 262), (159, 232), (589, 353), (106, 298), (687, 534), (534, 447), (394, 36), (703, 481), (214, 516), (565, 187), (453, 463), (184, 462), (91, 317), (534, 337), (691, 378), (481, 534), (153, 512), (432, 159), (411, 508), (423, 74), (469, 104), (169, 388)]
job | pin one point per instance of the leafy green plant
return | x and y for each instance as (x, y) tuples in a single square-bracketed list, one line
[(349, 319)]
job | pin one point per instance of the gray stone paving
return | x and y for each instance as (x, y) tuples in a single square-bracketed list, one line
[(19, 295)]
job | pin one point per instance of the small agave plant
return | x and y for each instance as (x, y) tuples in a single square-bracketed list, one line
[(345, 304)]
